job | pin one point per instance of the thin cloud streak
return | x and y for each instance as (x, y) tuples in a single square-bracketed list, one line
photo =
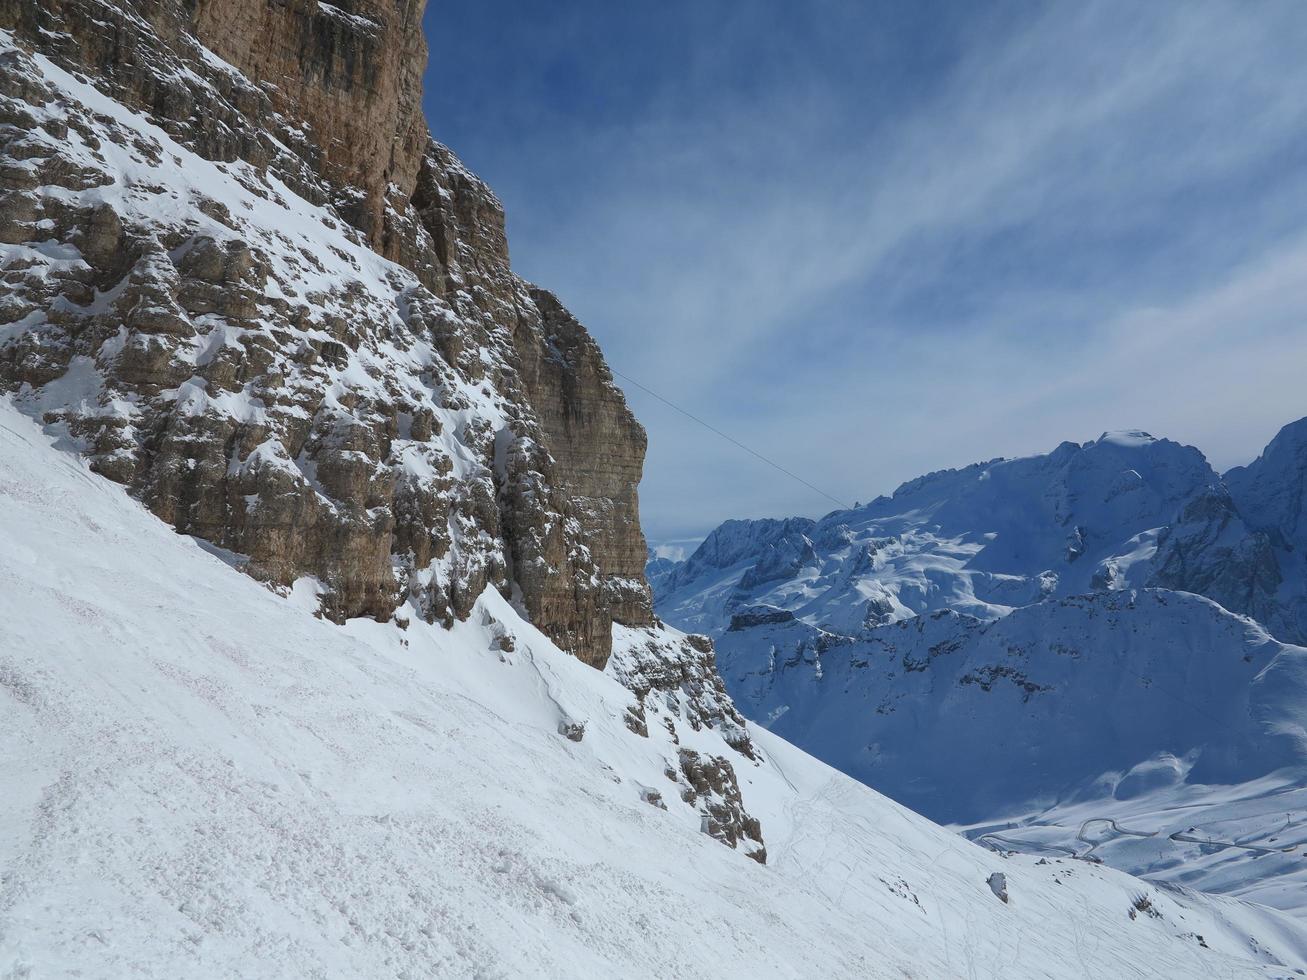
[(1183, 373), (1086, 220)]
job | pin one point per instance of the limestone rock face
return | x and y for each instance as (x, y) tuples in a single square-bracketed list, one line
[(597, 445), (1210, 551), (709, 783), (351, 73), (678, 689), (240, 276)]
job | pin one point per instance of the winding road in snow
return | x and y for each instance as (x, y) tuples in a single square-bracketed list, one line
[(991, 839)]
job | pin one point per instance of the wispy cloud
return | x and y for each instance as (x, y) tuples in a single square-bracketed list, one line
[(869, 266)]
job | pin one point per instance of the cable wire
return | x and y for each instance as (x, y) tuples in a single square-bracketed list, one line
[(731, 439)]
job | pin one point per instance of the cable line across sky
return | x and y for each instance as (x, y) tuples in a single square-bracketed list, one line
[(732, 440)]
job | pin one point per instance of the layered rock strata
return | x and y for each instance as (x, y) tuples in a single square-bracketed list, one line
[(244, 280)]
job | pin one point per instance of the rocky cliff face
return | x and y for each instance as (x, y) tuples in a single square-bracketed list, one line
[(1271, 495), (244, 280), (1243, 543), (351, 74), (1210, 550), (596, 443)]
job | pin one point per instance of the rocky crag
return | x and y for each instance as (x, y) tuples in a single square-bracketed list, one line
[(278, 390), (241, 277)]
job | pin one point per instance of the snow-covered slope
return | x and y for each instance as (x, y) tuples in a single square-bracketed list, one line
[(1142, 697), (204, 779), (1245, 839)]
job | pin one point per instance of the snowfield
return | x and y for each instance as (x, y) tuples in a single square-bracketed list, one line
[(1160, 710), (203, 779)]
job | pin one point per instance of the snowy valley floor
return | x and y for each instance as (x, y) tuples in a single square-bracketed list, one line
[(1248, 840), (202, 779)]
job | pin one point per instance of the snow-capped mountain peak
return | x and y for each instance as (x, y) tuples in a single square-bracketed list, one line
[(939, 644), (983, 539)]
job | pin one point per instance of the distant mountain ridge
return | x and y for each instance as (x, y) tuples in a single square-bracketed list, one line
[(1124, 510)]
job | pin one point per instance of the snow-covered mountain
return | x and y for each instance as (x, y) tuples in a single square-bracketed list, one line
[(981, 540), (1014, 643), (1142, 697), (1126, 510), (203, 777), (325, 645)]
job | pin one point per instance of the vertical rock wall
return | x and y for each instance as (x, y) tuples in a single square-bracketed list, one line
[(244, 280), (598, 447)]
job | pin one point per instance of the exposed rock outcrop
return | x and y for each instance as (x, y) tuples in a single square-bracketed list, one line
[(675, 677), (1210, 551), (241, 276), (708, 782), (1271, 496)]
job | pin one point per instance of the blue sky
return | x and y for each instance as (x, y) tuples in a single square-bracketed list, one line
[(875, 239)]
